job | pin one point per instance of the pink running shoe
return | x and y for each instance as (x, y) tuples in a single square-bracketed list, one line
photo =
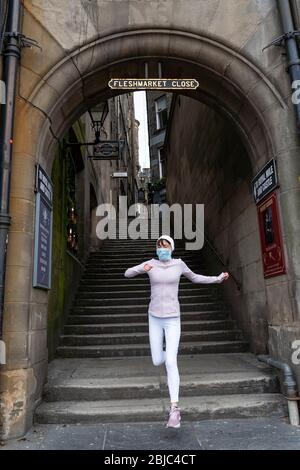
[(174, 418)]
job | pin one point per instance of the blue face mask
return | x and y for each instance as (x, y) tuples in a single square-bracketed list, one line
[(164, 254)]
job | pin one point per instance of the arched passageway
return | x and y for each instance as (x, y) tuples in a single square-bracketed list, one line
[(245, 109)]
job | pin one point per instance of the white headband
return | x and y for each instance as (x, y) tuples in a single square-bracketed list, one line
[(169, 239)]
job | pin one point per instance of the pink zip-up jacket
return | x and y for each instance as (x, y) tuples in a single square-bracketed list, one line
[(164, 278)]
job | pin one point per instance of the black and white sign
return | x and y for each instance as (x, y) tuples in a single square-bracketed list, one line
[(43, 231), (153, 83), (44, 185), (265, 181)]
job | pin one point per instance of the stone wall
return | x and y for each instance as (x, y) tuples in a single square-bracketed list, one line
[(208, 164), (66, 269)]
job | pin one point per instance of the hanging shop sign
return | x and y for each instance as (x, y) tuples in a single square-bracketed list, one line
[(265, 181), (270, 237), (107, 150), (153, 84), (43, 230)]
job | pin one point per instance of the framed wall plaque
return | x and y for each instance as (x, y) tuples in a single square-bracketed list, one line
[(43, 231), (270, 237)]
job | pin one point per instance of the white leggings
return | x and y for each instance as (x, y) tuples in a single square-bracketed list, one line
[(172, 328)]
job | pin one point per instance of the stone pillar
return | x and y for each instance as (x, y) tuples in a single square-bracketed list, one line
[(25, 308)]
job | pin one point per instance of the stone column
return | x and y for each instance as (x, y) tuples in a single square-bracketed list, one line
[(25, 308)]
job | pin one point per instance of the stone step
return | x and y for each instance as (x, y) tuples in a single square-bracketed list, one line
[(204, 325), (124, 237), (112, 276), (147, 228), (141, 254), (84, 319), (147, 238), (124, 264), (198, 254), (91, 389), (143, 300), (136, 258), (151, 233), (119, 275), (130, 285), (102, 295), (139, 257), (125, 350), (142, 279), (119, 278), (109, 269), (143, 307), (134, 338), (146, 243), (156, 409), (146, 252), (143, 246)]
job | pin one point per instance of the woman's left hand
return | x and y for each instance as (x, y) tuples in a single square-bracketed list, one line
[(226, 276)]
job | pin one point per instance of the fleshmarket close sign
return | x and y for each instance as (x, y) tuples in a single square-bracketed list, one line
[(153, 84), (265, 181), (43, 230)]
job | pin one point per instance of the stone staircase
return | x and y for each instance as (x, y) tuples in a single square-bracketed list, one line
[(103, 371)]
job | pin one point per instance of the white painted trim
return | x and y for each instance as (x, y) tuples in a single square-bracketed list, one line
[(2, 352)]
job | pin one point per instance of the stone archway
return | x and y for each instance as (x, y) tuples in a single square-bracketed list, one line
[(229, 82)]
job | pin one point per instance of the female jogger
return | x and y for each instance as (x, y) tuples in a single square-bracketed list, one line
[(164, 312)]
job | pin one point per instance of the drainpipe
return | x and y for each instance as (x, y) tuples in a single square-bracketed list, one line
[(289, 38), (12, 54), (289, 387)]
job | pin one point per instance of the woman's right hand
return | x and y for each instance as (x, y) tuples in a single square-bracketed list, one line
[(147, 267)]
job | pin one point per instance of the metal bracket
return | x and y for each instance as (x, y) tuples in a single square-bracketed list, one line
[(23, 40), (280, 40)]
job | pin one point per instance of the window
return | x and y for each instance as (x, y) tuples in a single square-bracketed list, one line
[(161, 111)]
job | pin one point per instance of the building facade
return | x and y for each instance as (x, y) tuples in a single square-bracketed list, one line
[(158, 107)]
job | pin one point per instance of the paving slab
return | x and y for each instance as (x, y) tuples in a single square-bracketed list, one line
[(233, 434)]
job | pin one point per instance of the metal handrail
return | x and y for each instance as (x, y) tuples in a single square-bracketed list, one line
[(238, 283)]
